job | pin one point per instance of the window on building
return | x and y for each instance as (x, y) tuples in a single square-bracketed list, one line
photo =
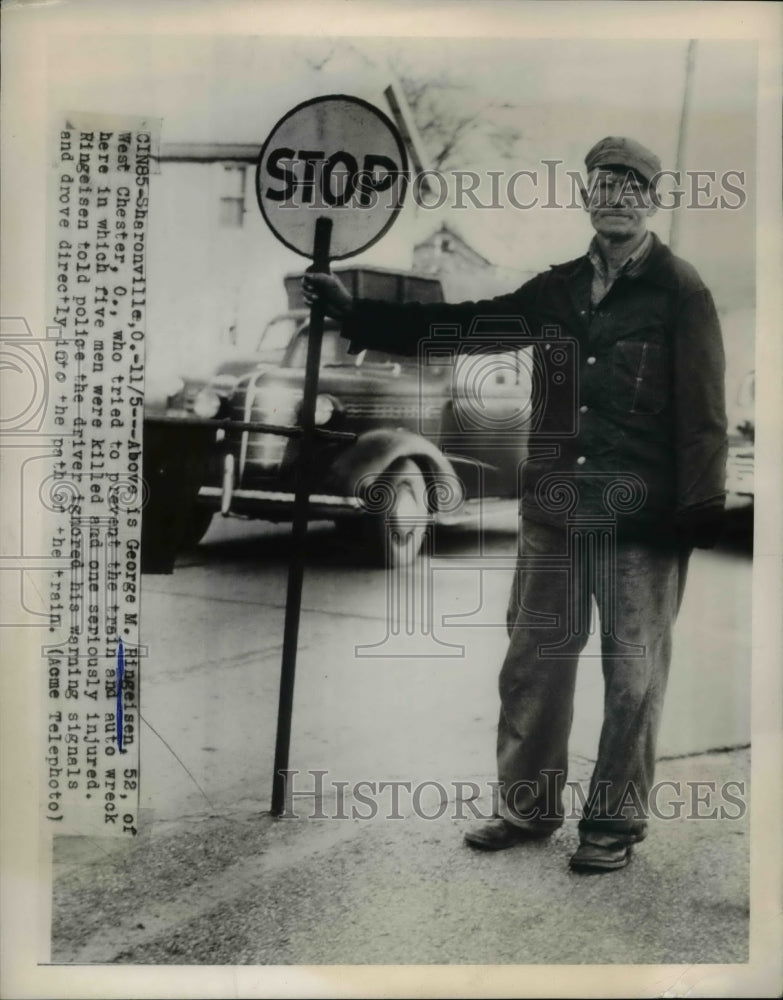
[(232, 199)]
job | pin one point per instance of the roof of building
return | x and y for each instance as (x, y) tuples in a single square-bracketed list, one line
[(453, 234), (208, 152)]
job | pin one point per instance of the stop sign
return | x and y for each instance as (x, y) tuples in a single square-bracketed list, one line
[(334, 157)]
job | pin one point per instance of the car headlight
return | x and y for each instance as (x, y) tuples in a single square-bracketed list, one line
[(324, 408), (174, 386), (206, 404), (224, 385)]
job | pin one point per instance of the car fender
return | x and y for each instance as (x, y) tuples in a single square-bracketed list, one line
[(357, 468)]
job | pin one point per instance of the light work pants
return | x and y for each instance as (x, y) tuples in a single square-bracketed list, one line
[(637, 589)]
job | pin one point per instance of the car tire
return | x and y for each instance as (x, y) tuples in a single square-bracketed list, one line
[(394, 536)]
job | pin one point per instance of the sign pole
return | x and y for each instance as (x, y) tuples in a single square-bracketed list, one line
[(322, 205), (322, 241)]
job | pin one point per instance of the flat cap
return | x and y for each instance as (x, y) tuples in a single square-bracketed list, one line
[(617, 151)]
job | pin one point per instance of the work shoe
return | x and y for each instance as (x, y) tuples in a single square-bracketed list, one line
[(592, 859), (497, 834)]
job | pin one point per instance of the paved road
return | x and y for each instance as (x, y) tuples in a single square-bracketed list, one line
[(407, 706), (214, 879), (249, 889)]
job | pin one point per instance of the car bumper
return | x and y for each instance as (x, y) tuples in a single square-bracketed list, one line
[(276, 505), (739, 478)]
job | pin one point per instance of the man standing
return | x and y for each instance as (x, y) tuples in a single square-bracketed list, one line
[(609, 514)]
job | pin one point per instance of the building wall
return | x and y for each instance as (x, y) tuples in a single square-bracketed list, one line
[(211, 285)]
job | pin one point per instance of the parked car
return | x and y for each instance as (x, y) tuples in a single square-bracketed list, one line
[(740, 465), (418, 440), (269, 351)]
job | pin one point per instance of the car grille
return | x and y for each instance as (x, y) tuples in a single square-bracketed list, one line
[(259, 451), (383, 411), (411, 410)]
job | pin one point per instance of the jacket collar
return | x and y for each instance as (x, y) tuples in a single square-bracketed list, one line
[(658, 265), (633, 264)]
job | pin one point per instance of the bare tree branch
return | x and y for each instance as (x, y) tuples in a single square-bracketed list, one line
[(451, 120)]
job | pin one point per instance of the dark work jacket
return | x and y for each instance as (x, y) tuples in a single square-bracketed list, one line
[(630, 421)]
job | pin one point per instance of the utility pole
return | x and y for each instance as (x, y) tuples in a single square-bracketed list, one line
[(682, 137)]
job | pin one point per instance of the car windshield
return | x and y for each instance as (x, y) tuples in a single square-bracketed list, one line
[(334, 352), (277, 334)]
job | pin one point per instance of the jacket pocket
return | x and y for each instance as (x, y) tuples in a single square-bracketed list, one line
[(640, 383)]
